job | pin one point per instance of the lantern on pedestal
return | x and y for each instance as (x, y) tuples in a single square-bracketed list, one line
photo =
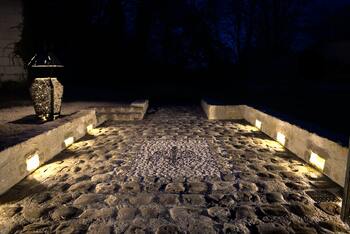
[(46, 91)]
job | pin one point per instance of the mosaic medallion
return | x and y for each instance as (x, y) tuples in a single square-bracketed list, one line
[(175, 158)]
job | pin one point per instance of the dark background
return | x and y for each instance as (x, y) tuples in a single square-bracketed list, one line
[(290, 58)]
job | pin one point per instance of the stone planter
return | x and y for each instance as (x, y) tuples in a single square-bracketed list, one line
[(47, 95)]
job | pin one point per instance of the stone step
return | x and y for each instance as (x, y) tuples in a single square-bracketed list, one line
[(120, 116), (120, 109)]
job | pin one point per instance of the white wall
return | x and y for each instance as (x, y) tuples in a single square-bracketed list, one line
[(11, 66)]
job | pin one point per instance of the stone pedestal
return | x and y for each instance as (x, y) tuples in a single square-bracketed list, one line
[(47, 95)]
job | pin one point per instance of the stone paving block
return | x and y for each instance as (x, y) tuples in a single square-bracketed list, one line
[(221, 213), (151, 210), (197, 187), (169, 199), (104, 213), (127, 213), (265, 228), (64, 212), (131, 187), (223, 187), (193, 200), (88, 199), (142, 199), (175, 188), (169, 228), (99, 227), (105, 188)]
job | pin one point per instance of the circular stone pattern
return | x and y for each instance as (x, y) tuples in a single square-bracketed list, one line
[(174, 158)]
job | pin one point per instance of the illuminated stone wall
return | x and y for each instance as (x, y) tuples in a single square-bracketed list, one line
[(11, 65), (19, 160), (299, 141), (14, 160)]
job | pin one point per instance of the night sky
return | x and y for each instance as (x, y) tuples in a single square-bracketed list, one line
[(232, 51), (191, 35)]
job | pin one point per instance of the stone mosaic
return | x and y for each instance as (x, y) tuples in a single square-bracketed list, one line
[(175, 158)]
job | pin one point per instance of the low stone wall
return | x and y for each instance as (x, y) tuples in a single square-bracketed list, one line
[(13, 165), (130, 112), (144, 104), (298, 140), (13, 160), (222, 112)]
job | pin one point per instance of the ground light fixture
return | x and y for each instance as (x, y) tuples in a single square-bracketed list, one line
[(33, 162), (69, 141), (317, 161), (258, 124), (89, 128), (281, 138)]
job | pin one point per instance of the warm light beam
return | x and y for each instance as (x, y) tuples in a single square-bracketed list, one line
[(69, 141), (33, 162), (281, 138), (258, 124), (317, 161), (89, 128)]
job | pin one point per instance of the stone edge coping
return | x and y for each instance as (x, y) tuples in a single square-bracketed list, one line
[(298, 140), (48, 144), (136, 105), (141, 103)]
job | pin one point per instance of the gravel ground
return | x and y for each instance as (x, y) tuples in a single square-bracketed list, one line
[(122, 178)]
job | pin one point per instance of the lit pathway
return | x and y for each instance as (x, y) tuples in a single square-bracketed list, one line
[(173, 172)]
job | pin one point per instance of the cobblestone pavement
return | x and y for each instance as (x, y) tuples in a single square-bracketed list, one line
[(174, 172)]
